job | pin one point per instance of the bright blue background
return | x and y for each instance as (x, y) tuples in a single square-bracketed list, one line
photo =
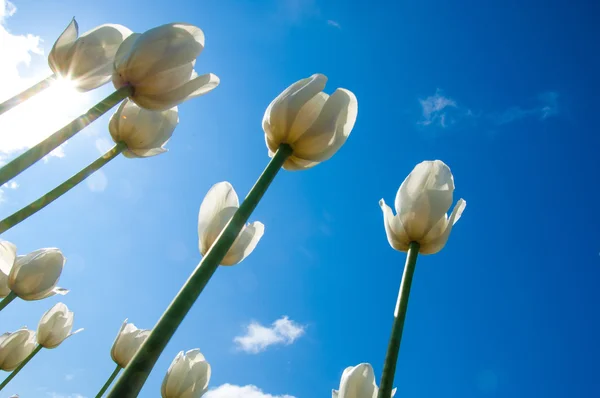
[(509, 308)]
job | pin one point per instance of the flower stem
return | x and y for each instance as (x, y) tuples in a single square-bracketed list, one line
[(391, 357), (63, 188), (21, 366), (109, 382), (32, 155), (7, 300), (131, 381), (26, 94)]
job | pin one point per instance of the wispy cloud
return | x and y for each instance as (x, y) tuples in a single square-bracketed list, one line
[(440, 110), (69, 377), (233, 391), (437, 109), (258, 337), (9, 185), (296, 11), (333, 23), (547, 106), (59, 395)]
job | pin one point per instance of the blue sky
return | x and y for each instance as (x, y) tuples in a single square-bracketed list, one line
[(504, 92)]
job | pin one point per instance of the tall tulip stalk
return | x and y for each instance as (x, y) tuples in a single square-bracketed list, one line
[(303, 127), (421, 225), (137, 133)]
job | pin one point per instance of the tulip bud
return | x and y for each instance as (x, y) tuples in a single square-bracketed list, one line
[(144, 132), (127, 343), (35, 275), (88, 60), (313, 123), (55, 326), (421, 205), (187, 377), (15, 347), (8, 255), (217, 208), (159, 65), (358, 382)]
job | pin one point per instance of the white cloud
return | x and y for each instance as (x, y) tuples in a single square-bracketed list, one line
[(59, 395), (23, 64), (9, 185), (69, 377), (296, 11), (103, 145), (442, 111), (547, 107), (258, 337), (333, 23), (97, 182), (436, 109), (233, 391)]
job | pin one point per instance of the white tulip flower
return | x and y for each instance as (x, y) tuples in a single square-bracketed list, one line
[(15, 347), (217, 208), (159, 65), (55, 326), (313, 123), (127, 343), (87, 61), (187, 377), (144, 132), (421, 205), (35, 275), (358, 382), (8, 255)]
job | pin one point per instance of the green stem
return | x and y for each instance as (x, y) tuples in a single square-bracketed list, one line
[(21, 366), (136, 373), (7, 300), (391, 357), (25, 95), (63, 188), (32, 155), (108, 382)]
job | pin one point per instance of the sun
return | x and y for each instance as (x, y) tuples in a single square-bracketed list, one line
[(41, 115)]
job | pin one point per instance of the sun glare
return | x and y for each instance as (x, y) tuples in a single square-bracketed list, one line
[(41, 115)]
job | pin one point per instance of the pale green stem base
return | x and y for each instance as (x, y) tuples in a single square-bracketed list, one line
[(391, 357), (63, 188), (132, 380), (109, 382), (7, 300), (21, 366), (26, 94), (32, 155)]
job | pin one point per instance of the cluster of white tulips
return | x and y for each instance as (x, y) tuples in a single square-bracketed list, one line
[(153, 72)]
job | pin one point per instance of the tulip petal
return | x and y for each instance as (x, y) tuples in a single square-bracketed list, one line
[(331, 129), (216, 210), (394, 230), (34, 276), (57, 59), (195, 87), (438, 244), (282, 111), (307, 115), (244, 244), (8, 255), (424, 197)]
